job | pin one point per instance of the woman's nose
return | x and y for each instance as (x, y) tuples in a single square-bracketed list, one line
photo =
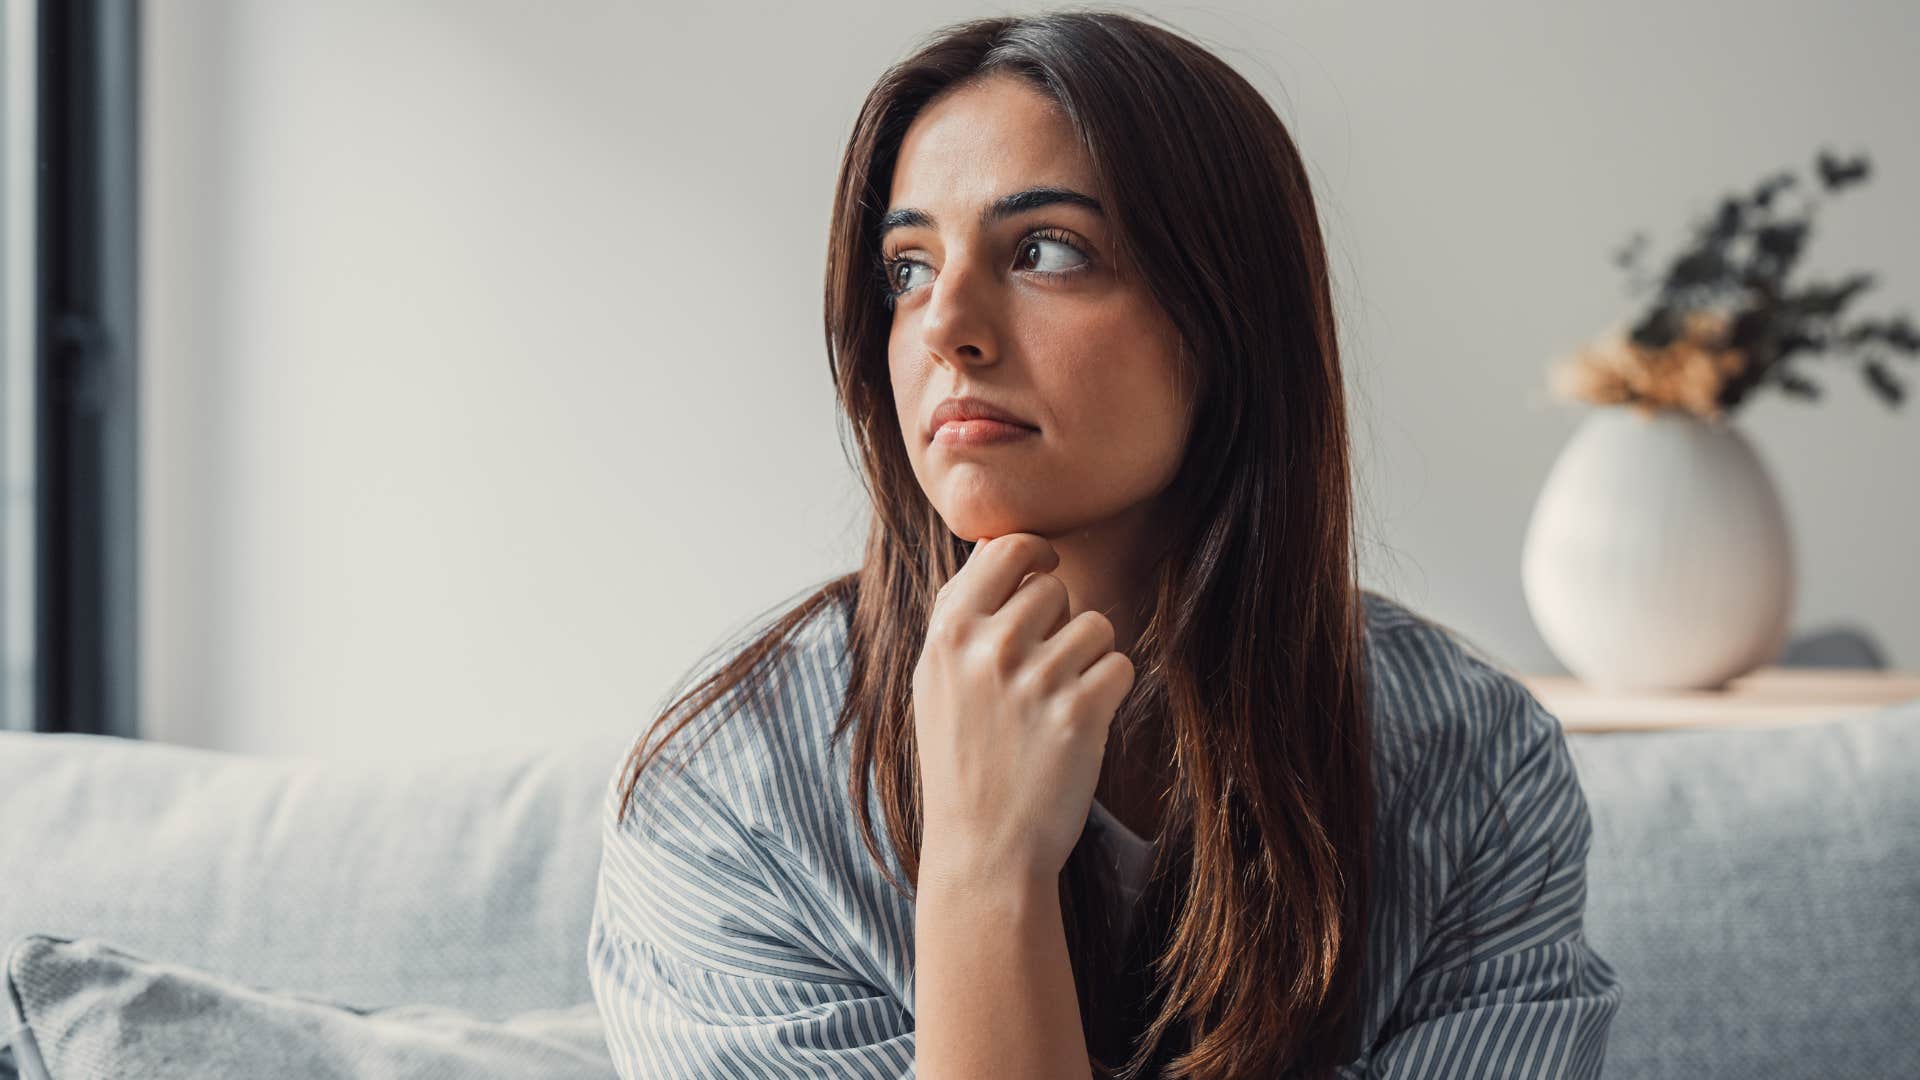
[(957, 323)]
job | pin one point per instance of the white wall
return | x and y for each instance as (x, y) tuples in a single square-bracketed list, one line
[(484, 374)]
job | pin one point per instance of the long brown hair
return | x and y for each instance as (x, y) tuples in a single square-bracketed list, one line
[(1250, 667)]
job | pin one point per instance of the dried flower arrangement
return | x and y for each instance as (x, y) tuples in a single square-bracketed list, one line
[(1724, 322)]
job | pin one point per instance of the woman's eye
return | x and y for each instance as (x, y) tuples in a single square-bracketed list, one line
[(902, 273), (1041, 243)]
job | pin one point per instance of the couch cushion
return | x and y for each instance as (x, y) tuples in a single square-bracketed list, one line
[(464, 881), (1756, 891), (85, 1008)]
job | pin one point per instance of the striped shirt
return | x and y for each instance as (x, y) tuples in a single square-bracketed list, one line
[(741, 929)]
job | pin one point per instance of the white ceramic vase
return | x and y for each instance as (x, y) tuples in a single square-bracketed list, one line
[(1658, 555)]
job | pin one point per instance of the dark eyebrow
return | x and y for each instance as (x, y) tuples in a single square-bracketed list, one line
[(1001, 208)]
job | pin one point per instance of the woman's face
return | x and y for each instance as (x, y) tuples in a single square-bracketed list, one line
[(1028, 311)]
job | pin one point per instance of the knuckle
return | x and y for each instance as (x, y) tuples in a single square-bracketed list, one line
[(1028, 545), (1001, 650), (946, 632), (1029, 684), (1050, 587), (1100, 625)]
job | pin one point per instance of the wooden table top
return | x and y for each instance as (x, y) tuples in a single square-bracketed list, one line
[(1767, 697)]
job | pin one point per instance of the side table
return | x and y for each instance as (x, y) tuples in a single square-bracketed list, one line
[(1766, 697)]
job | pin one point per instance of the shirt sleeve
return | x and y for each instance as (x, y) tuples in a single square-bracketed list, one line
[(702, 967), (1508, 985)]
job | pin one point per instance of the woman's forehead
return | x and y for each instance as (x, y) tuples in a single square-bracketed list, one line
[(983, 140)]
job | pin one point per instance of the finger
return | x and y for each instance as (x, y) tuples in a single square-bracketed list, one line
[(990, 576), (1108, 681), (947, 585), (1072, 649), (1039, 607)]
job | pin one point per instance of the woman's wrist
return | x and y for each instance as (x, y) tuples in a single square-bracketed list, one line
[(959, 871), (993, 986)]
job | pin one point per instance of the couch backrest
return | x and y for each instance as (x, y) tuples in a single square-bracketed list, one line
[(1758, 892), (465, 881)]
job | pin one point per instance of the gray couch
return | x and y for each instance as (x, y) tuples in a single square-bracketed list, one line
[(1756, 890)]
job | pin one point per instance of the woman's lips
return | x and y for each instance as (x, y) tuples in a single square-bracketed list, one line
[(979, 432)]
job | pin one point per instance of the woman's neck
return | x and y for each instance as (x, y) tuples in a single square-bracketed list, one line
[(1108, 567)]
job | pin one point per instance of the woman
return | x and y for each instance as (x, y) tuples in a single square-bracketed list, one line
[(1101, 763)]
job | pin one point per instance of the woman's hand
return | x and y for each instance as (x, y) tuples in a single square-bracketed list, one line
[(1012, 701)]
